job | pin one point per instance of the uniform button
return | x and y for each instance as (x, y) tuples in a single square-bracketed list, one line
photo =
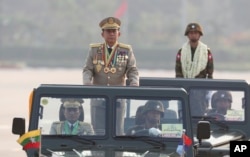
[(107, 84), (108, 77)]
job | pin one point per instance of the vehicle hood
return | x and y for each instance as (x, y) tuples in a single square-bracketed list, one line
[(221, 137)]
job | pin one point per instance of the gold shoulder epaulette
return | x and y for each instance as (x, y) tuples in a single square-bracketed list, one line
[(96, 45), (125, 46)]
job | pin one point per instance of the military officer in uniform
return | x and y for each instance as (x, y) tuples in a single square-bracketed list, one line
[(109, 64), (153, 111), (71, 125), (194, 59)]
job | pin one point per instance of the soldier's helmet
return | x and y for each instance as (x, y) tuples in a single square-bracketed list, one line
[(153, 105), (226, 95), (193, 27)]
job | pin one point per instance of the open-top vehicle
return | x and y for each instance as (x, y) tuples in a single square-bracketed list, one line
[(46, 114)]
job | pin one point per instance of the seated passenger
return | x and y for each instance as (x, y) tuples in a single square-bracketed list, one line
[(70, 124), (153, 111), (221, 103)]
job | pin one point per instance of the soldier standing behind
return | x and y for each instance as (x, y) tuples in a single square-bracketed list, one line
[(109, 64), (194, 59)]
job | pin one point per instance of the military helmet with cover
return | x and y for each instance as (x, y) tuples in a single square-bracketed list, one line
[(193, 27), (153, 105), (226, 95)]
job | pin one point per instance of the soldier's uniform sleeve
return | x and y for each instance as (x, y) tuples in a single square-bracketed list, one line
[(131, 69), (86, 128), (55, 128), (88, 69), (178, 68), (210, 65)]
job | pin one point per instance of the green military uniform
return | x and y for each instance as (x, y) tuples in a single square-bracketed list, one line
[(206, 73), (196, 61), (109, 69), (215, 101), (151, 105), (80, 128)]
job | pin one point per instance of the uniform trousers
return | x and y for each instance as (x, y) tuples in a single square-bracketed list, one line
[(98, 116)]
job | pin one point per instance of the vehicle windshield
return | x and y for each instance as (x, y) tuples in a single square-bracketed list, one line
[(59, 115), (78, 126), (69, 116), (221, 105), (158, 118)]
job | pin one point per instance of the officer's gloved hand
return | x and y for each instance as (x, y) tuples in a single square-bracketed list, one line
[(154, 132)]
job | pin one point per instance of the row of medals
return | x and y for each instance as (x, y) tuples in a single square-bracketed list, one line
[(107, 69)]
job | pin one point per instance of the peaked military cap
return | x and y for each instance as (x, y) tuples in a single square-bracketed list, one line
[(68, 104), (110, 23), (194, 27), (72, 103)]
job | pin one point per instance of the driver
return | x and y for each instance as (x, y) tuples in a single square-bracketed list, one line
[(221, 102), (153, 111)]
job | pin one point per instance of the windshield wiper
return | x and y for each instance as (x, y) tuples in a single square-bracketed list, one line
[(78, 153), (212, 120)]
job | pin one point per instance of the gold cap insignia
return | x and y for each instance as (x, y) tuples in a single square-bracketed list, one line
[(110, 23), (110, 20)]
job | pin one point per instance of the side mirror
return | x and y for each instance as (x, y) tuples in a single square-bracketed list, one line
[(203, 130), (18, 126)]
